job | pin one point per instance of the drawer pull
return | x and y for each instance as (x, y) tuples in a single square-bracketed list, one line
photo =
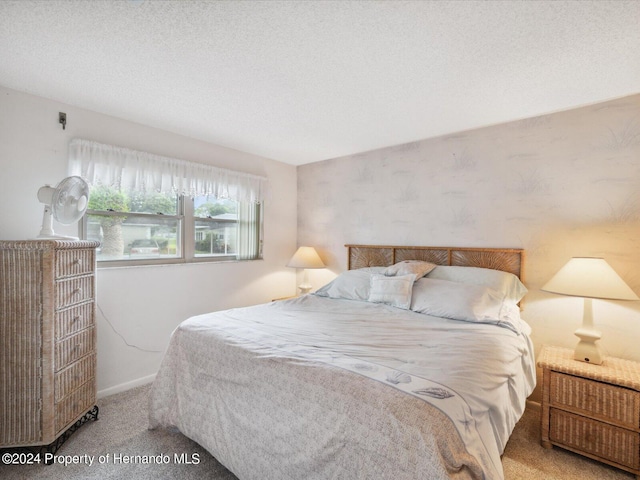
[(77, 262), (77, 346), (76, 318), (77, 291)]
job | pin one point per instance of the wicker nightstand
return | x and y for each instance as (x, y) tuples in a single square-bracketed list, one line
[(593, 410)]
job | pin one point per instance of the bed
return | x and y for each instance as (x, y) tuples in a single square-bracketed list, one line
[(413, 363)]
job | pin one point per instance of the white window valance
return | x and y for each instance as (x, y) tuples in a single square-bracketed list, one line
[(126, 169)]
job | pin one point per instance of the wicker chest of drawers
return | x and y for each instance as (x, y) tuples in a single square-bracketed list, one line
[(590, 409), (47, 339)]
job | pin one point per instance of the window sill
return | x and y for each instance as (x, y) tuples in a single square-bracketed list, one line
[(116, 264)]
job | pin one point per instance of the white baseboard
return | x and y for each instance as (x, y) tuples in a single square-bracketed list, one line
[(123, 387)]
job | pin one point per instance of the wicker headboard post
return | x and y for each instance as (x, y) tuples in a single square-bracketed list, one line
[(506, 259)]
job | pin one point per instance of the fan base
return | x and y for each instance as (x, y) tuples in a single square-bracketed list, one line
[(57, 237)]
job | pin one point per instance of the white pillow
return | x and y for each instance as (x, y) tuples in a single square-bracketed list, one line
[(506, 283), (350, 285), (372, 269), (463, 301), (417, 267), (394, 291)]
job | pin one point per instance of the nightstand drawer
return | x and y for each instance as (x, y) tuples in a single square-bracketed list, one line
[(596, 438), (600, 400)]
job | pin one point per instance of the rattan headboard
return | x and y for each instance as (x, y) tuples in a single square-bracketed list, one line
[(506, 259)]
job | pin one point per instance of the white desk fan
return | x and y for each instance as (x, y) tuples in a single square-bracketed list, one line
[(67, 202)]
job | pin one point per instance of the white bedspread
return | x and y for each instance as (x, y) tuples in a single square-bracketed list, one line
[(320, 388)]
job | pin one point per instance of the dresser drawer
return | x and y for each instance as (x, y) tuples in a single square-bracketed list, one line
[(596, 438), (72, 348), (74, 262), (74, 319), (74, 405), (600, 400), (73, 291), (74, 375)]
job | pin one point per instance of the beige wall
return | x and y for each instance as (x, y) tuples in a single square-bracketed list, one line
[(560, 185), (142, 304)]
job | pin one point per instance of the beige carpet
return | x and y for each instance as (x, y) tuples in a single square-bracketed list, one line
[(122, 430)]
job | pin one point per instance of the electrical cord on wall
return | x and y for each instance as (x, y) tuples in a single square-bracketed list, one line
[(122, 337)]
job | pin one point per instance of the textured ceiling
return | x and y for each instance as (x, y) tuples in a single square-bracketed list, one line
[(301, 81)]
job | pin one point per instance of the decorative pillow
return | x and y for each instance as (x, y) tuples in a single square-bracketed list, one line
[(416, 267), (372, 269), (394, 291), (507, 283), (464, 301), (350, 285)]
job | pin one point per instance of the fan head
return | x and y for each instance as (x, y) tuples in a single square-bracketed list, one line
[(70, 200), (67, 202)]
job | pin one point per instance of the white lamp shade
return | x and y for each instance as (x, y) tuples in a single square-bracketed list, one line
[(306, 257), (589, 277)]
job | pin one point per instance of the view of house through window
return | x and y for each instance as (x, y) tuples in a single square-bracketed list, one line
[(216, 227), (152, 227), (133, 226)]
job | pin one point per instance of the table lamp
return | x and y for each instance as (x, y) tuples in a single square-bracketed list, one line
[(305, 257), (589, 278)]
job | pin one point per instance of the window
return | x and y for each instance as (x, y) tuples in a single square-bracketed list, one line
[(216, 227), (137, 225), (154, 228)]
